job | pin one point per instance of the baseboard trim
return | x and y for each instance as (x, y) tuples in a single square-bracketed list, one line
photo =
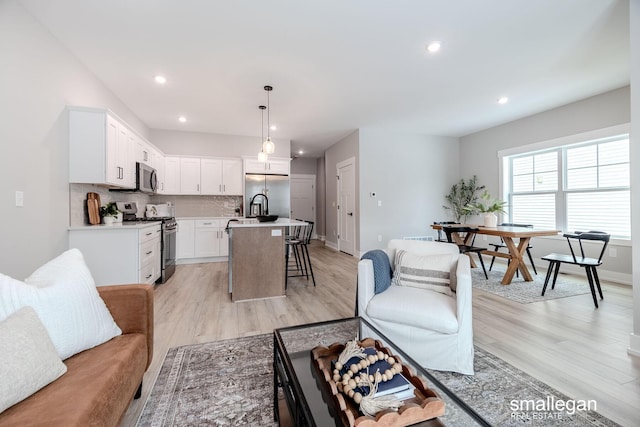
[(331, 245), (201, 260), (634, 345)]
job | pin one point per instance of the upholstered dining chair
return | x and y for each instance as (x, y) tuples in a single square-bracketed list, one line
[(589, 264), (433, 326)]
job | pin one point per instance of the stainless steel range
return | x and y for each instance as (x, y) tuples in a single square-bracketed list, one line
[(169, 230)]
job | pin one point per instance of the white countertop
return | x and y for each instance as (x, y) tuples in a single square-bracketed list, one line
[(131, 225), (252, 222), (207, 217)]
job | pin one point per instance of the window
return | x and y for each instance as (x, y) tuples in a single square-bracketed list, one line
[(583, 186)]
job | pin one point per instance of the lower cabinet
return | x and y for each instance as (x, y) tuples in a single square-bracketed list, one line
[(119, 255), (202, 238)]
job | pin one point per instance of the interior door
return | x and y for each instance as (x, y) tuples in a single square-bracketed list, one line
[(346, 207), (303, 197)]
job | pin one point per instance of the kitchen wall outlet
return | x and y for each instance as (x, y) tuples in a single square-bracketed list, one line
[(613, 252), (19, 199), (379, 202), (379, 237), (276, 233)]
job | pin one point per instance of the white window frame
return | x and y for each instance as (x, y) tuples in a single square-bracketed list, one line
[(503, 157)]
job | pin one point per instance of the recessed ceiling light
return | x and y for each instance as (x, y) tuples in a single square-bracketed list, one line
[(182, 119), (160, 79), (503, 100), (300, 152), (274, 127), (433, 47)]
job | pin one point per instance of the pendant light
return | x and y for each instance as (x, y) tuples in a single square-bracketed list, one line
[(268, 147), (262, 156)]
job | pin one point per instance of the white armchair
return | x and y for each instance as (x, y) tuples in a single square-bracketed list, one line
[(433, 328)]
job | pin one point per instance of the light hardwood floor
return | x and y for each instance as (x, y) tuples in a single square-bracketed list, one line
[(565, 343)]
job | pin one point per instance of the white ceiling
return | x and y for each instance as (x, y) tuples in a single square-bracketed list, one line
[(339, 65)]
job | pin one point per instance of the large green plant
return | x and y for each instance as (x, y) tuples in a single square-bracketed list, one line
[(462, 194)]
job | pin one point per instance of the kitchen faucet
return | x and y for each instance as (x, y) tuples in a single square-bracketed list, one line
[(266, 203)]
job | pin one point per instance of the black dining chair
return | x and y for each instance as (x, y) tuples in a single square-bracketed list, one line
[(464, 249), (589, 264), (497, 246), (441, 237)]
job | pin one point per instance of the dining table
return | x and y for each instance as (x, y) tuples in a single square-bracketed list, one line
[(509, 234)]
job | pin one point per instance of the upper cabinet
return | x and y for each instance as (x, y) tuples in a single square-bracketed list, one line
[(100, 149), (221, 176), (189, 175), (272, 166), (205, 176)]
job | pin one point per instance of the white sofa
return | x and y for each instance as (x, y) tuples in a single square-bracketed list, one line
[(433, 328)]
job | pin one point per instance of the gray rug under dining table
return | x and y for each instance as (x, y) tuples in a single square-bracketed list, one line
[(230, 383), (527, 292)]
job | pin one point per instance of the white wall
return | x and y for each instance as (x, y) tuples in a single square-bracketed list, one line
[(38, 78), (634, 346), (304, 166), (478, 155), (211, 144), (340, 151), (410, 175)]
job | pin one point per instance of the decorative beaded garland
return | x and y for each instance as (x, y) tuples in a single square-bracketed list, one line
[(350, 383)]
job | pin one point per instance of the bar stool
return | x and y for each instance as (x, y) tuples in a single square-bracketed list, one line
[(298, 245)]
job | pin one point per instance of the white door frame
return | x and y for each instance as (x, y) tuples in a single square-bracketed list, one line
[(315, 200), (350, 161)]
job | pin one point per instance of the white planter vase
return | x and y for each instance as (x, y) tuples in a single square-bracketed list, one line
[(108, 220), (490, 219)]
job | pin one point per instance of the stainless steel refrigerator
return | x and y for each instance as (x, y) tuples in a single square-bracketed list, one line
[(276, 187)]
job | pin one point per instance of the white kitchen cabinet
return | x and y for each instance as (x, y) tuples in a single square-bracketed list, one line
[(211, 176), (272, 166), (171, 175), (232, 177), (158, 163), (189, 175), (185, 240), (221, 176), (99, 149), (207, 238), (202, 238), (120, 254)]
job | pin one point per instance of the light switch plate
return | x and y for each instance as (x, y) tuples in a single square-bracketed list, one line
[(19, 199)]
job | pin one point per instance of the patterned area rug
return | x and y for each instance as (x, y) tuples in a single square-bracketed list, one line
[(527, 292), (223, 383)]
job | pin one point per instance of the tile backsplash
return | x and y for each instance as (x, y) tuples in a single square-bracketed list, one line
[(186, 206), (212, 206)]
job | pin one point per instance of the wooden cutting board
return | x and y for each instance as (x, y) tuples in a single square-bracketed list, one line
[(93, 208)]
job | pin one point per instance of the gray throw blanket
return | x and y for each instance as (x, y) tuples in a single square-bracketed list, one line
[(381, 269)]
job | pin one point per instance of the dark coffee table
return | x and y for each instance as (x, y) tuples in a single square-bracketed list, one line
[(294, 371)]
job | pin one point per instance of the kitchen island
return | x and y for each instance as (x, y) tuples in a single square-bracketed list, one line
[(257, 258)]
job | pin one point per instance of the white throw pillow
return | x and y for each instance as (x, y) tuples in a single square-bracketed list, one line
[(28, 360), (431, 272), (64, 295)]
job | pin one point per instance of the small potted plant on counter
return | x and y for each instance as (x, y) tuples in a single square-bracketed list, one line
[(489, 207), (109, 213)]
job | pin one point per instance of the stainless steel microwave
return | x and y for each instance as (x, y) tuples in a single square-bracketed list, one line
[(146, 178)]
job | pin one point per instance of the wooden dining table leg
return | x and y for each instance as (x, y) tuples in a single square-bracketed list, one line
[(517, 260)]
